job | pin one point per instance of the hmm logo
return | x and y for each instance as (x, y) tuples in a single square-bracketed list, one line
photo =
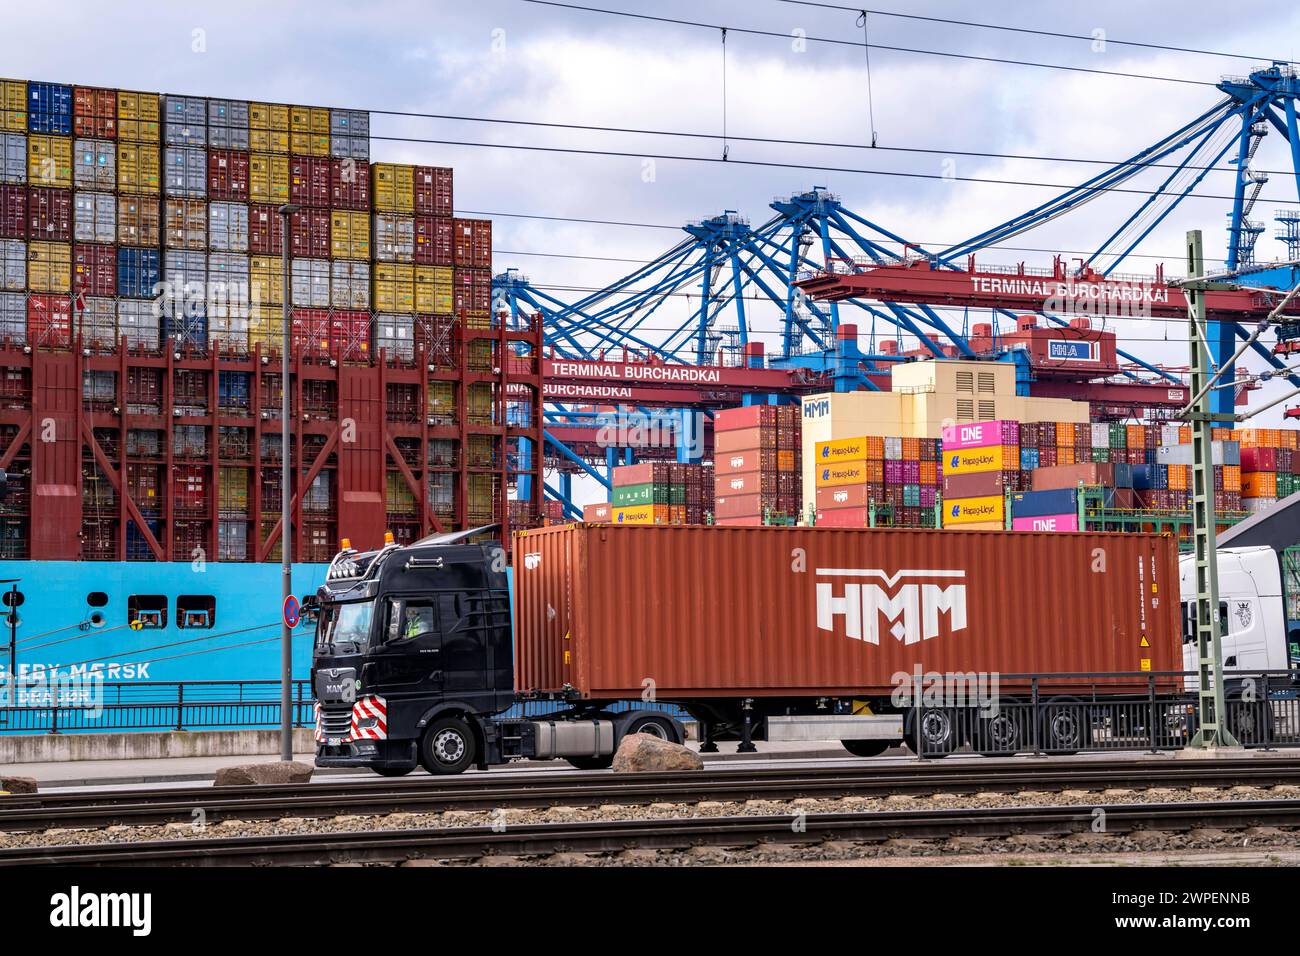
[(911, 600), (817, 409), (532, 559)]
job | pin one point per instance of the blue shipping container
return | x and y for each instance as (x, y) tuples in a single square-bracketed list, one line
[(137, 548), (1028, 459), (137, 272), (49, 108), (1123, 474), (232, 389), (190, 331), (1142, 477), (1037, 504)]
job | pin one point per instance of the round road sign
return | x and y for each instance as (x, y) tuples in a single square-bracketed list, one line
[(292, 612)]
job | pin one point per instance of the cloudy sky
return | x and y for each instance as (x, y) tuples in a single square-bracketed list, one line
[(520, 61)]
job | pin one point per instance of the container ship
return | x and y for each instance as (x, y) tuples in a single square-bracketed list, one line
[(142, 368)]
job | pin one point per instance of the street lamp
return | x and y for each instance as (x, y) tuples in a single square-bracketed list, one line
[(286, 539)]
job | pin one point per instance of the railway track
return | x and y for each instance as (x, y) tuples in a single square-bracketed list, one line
[(492, 791), (468, 843)]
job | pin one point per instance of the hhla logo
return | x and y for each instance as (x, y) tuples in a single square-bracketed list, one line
[(912, 600)]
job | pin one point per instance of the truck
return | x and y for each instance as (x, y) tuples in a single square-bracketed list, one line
[(440, 654)]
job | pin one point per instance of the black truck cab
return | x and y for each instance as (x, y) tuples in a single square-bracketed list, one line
[(408, 637)]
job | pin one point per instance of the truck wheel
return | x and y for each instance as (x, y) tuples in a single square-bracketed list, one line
[(1250, 721), (603, 762), (659, 727), (867, 748), (447, 747), (1063, 728), (998, 736), (938, 732), (393, 771)]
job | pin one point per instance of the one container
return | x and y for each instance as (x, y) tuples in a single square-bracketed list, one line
[(980, 435), (870, 604), (1062, 522)]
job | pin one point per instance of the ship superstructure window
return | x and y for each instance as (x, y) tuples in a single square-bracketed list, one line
[(196, 611), (149, 609)]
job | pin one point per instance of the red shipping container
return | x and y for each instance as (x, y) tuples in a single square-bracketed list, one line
[(311, 332), (189, 488), (749, 416), (350, 334), (598, 512), (843, 517), (13, 212), (433, 191), (645, 473), (94, 269), (94, 113), (349, 184), (845, 496), (228, 175), (309, 234), (1259, 459), (743, 506), (49, 214), (987, 602), (472, 290), (309, 181), (432, 241), (751, 459), (750, 483), (472, 243), (265, 231), (743, 439), (49, 321)]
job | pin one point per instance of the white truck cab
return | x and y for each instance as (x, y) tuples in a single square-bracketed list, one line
[(1256, 634)]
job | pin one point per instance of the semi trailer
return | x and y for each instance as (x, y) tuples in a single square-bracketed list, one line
[(428, 654)]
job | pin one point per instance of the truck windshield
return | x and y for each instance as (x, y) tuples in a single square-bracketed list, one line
[(345, 624)]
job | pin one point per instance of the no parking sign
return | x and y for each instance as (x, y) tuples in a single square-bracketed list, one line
[(292, 612)]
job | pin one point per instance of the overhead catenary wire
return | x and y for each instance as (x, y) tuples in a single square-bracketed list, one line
[(866, 53)]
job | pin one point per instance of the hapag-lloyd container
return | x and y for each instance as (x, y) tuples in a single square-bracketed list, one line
[(1046, 523), (856, 608)]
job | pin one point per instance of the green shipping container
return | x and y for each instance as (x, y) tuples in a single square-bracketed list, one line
[(646, 494)]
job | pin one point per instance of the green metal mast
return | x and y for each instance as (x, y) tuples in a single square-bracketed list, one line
[(1209, 631)]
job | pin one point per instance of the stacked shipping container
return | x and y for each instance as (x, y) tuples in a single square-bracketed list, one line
[(757, 457), (657, 493), (880, 480)]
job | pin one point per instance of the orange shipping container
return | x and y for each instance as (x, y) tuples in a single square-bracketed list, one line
[(987, 601), (1257, 484)]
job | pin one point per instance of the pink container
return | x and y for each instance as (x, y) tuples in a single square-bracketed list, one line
[(893, 473), (1046, 523), (980, 435)]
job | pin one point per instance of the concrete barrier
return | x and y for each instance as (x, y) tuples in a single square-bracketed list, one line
[(147, 745)]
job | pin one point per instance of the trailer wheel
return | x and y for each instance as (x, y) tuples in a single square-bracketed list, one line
[(659, 727), (1250, 721), (447, 747), (867, 748), (1063, 727), (938, 732), (998, 736)]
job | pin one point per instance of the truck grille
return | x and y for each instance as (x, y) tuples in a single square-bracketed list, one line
[(335, 721)]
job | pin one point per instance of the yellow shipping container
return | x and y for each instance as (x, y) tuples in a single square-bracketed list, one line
[(268, 178), (13, 106), (268, 141), (49, 161), (841, 450), (139, 169), (265, 281), (642, 514), (49, 267), (394, 288), (309, 129), (982, 526), (268, 116), (266, 327), (838, 473), (969, 461), (350, 235), (965, 511), (392, 187), (138, 117), (434, 290)]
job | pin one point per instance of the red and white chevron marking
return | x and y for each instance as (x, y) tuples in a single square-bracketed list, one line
[(370, 706), (317, 732)]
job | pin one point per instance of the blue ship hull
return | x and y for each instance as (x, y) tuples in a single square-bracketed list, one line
[(63, 627)]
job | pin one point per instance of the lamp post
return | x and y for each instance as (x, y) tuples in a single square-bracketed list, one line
[(286, 538)]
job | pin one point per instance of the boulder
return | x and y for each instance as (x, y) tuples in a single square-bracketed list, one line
[(277, 771), (641, 752), (17, 785)]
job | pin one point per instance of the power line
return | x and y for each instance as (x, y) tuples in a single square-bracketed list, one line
[(624, 154), (1042, 33), (875, 46)]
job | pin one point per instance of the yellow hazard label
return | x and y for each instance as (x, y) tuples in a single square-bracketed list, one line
[(567, 655), (1145, 642), (1146, 663), (1153, 587), (137, 624)]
